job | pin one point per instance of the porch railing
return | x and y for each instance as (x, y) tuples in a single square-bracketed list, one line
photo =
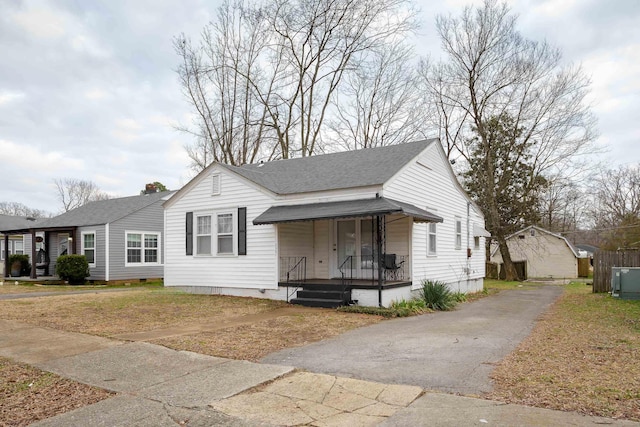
[(293, 271), (346, 273), (365, 267)]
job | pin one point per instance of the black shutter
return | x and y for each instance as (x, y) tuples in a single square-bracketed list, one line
[(189, 233), (242, 231)]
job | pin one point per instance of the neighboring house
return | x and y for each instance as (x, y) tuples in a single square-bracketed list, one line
[(374, 222), (13, 243), (546, 254), (121, 238)]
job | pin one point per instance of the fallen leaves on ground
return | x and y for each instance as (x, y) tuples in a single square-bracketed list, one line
[(28, 394), (582, 356)]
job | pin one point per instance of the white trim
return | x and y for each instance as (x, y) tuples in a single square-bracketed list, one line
[(431, 253), (142, 262), (95, 244), (233, 211), (106, 252)]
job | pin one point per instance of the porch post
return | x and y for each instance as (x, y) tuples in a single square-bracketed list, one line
[(380, 257), (6, 256), (33, 274)]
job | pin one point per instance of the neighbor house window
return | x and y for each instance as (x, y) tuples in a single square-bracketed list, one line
[(225, 233), (431, 239), (18, 247), (458, 233), (532, 232), (203, 235), (89, 247), (143, 248)]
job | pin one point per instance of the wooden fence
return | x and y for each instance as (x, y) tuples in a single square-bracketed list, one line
[(604, 260)]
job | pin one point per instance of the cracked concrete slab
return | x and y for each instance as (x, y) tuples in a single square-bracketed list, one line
[(304, 398), (438, 409), (130, 367), (134, 411), (33, 345), (214, 383)]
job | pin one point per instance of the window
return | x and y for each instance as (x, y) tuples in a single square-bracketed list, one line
[(215, 185), (225, 233), (18, 247), (476, 242), (89, 247), (458, 233), (203, 235), (431, 239), (143, 248), (532, 232), (151, 248)]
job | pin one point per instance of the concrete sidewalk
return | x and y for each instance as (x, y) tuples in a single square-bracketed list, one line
[(157, 386)]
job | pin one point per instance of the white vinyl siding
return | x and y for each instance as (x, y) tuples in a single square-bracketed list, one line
[(88, 248), (435, 186), (257, 269)]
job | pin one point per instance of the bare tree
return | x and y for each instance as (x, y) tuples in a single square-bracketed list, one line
[(563, 204), (616, 210), (381, 102), (491, 71), (18, 209), (263, 77), (74, 193)]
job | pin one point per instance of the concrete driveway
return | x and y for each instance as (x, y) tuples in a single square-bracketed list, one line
[(453, 352)]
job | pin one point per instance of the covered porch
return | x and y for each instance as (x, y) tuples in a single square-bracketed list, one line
[(46, 244), (334, 253)]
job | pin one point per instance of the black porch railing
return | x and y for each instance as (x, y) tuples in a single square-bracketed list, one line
[(293, 271), (346, 273), (394, 267)]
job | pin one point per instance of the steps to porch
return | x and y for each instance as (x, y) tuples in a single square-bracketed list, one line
[(319, 295)]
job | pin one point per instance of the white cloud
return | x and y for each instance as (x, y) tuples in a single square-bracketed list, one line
[(40, 21), (8, 96), (40, 160)]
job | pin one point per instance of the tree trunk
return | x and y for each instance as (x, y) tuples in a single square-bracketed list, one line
[(509, 267)]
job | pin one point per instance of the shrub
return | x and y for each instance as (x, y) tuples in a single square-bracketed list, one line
[(413, 306), (436, 295), (73, 268), (23, 260), (376, 311), (459, 297)]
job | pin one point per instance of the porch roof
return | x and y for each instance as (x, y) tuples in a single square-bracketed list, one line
[(343, 209)]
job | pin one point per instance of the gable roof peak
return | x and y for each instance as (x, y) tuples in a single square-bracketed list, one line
[(340, 170)]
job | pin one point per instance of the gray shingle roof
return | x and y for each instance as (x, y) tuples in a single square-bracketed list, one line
[(359, 168), (10, 222), (102, 211)]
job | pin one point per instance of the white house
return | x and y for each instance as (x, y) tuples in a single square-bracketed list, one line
[(366, 225), (545, 254)]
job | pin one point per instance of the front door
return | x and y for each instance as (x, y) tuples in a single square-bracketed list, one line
[(354, 244)]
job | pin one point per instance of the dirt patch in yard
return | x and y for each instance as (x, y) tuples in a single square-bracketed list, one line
[(255, 340), (28, 394), (113, 313), (582, 356)]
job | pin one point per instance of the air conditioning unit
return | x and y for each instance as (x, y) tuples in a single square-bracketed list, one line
[(625, 282)]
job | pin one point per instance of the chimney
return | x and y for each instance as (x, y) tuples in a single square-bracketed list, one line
[(150, 189)]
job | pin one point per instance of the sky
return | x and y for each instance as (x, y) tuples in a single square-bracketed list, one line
[(88, 89)]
